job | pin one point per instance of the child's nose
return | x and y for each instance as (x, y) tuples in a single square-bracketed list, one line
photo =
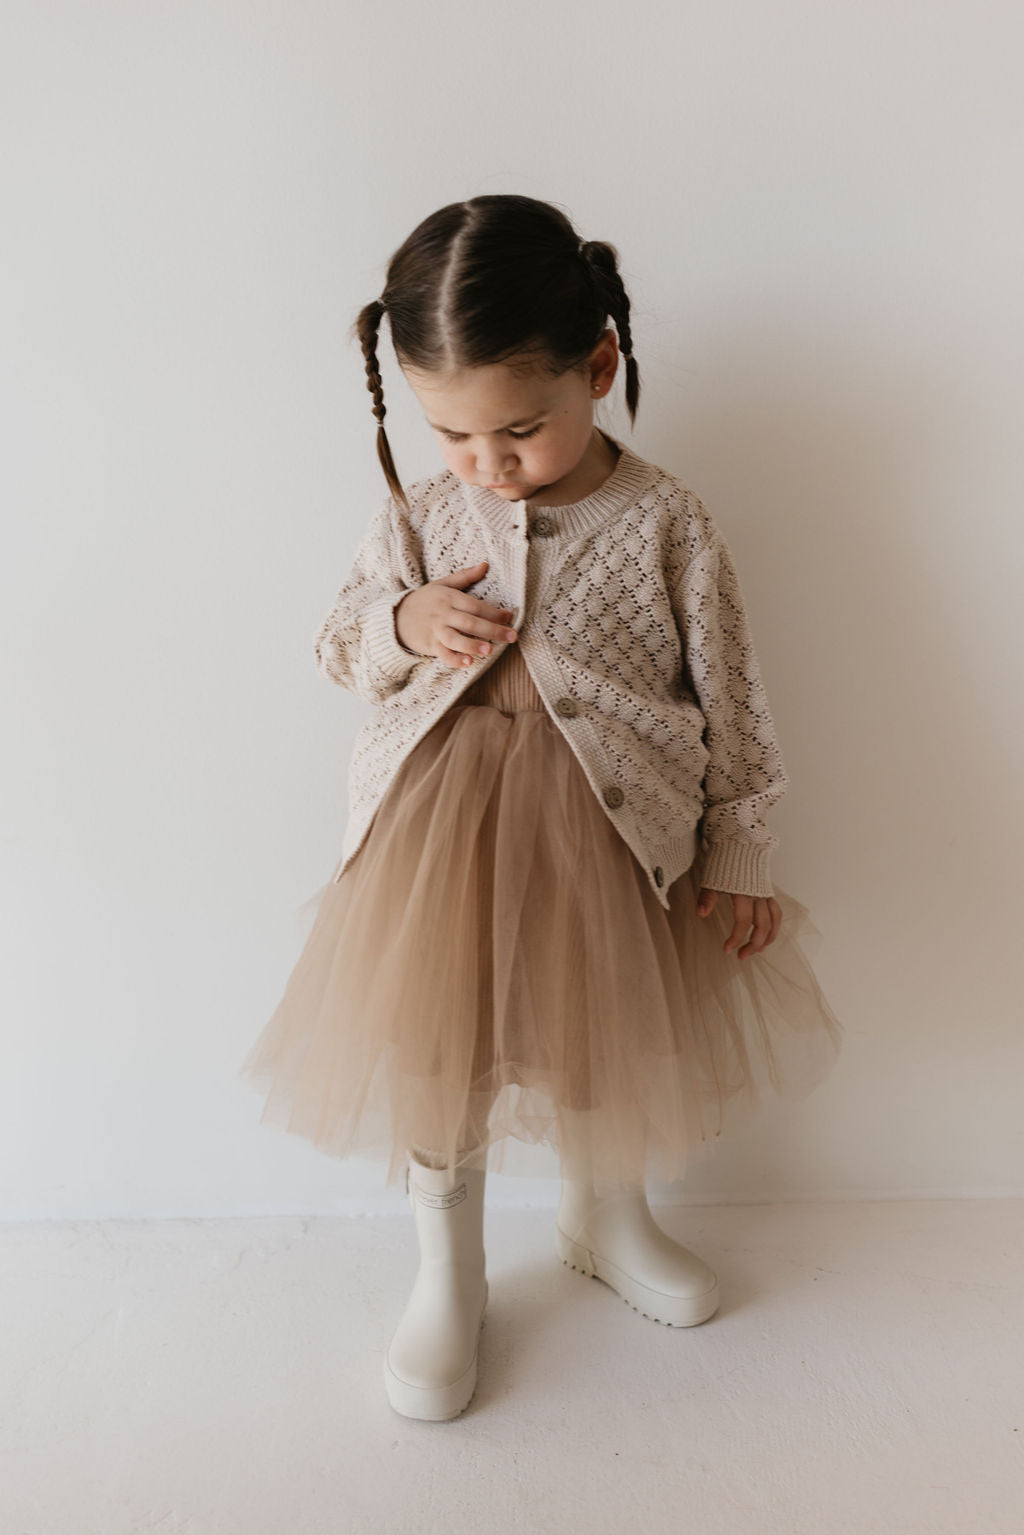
[(496, 463)]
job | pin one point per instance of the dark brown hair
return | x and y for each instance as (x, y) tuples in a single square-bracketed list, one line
[(483, 281)]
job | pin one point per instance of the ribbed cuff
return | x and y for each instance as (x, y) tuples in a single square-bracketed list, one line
[(737, 866), (382, 644)]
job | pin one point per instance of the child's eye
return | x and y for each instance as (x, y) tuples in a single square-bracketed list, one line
[(519, 436)]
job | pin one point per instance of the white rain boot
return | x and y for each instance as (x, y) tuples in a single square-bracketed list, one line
[(431, 1363), (616, 1239)]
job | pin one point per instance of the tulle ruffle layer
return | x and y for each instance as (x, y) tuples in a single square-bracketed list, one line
[(494, 969)]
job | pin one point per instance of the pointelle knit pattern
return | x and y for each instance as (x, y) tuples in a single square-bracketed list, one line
[(631, 622)]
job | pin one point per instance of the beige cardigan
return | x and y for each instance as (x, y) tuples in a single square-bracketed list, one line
[(632, 626)]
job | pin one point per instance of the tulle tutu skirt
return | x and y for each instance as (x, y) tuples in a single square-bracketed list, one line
[(493, 969)]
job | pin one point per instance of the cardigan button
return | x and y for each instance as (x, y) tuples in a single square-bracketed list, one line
[(659, 878), (570, 707), (613, 795), (542, 525)]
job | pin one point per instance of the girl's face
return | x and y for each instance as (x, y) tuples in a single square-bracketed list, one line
[(518, 434)]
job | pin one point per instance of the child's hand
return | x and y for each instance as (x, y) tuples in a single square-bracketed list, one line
[(440, 619), (762, 912)]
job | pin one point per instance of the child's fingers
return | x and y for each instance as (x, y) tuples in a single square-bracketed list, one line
[(767, 919), (776, 911), (473, 635), (740, 921), (762, 913), (743, 916), (762, 930), (773, 918)]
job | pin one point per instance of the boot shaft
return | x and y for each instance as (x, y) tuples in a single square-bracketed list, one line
[(448, 1210)]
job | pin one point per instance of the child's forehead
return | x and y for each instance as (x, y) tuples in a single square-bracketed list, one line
[(502, 390), (492, 375)]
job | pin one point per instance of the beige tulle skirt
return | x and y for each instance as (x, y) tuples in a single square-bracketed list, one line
[(493, 969)]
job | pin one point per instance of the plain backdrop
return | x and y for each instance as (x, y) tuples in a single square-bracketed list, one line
[(818, 217)]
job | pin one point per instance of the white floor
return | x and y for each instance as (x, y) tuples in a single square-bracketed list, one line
[(865, 1373)]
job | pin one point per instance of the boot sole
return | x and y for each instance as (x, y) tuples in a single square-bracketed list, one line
[(435, 1404), (671, 1310)]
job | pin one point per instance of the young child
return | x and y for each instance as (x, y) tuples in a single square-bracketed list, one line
[(553, 921)]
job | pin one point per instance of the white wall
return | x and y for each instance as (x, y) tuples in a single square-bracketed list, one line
[(818, 216)]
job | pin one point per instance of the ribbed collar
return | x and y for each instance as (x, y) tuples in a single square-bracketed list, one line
[(629, 477)]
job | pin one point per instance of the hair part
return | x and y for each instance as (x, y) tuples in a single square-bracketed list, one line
[(497, 278)]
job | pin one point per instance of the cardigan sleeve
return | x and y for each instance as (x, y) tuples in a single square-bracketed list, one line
[(744, 775), (356, 645)]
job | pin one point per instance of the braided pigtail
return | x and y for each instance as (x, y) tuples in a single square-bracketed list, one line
[(367, 327), (603, 262)]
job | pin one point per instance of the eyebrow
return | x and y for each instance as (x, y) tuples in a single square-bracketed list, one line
[(509, 425)]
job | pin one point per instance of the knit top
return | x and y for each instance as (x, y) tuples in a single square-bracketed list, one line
[(632, 625), (506, 685)]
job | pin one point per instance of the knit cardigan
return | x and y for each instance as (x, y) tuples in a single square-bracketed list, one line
[(632, 626)]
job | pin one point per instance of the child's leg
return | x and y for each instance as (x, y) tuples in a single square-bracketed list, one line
[(471, 1143), (613, 1235), (467, 1154), (430, 1367)]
